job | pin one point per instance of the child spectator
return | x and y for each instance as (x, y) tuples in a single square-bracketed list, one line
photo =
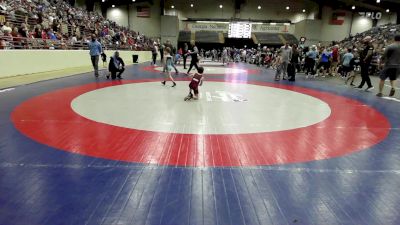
[(279, 66), (104, 58)]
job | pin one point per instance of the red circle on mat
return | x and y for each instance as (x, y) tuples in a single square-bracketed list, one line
[(248, 71), (351, 127)]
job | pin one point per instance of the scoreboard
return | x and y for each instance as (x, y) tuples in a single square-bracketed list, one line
[(239, 30)]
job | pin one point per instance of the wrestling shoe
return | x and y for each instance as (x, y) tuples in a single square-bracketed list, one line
[(392, 91)]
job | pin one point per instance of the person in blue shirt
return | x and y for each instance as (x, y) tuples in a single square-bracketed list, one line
[(346, 62), (310, 61), (95, 50), (325, 61)]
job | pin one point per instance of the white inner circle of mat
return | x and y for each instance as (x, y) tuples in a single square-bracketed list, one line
[(208, 70), (223, 108)]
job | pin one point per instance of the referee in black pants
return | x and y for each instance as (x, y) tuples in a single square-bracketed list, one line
[(185, 51), (195, 59)]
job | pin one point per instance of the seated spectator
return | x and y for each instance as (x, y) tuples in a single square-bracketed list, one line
[(6, 27), (3, 44)]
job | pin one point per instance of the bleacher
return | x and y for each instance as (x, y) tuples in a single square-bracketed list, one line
[(208, 37), (184, 36), (269, 38), (64, 33), (290, 38)]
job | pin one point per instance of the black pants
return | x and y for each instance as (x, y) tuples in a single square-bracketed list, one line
[(114, 73), (95, 63), (310, 67), (193, 63), (184, 61), (154, 59), (365, 76)]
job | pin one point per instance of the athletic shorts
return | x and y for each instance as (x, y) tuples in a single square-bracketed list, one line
[(326, 65), (347, 69), (391, 73), (194, 87)]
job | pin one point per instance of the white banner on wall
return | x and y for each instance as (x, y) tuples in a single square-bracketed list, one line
[(224, 27), (267, 28)]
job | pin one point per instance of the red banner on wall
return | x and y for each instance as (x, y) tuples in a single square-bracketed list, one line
[(143, 11), (338, 18)]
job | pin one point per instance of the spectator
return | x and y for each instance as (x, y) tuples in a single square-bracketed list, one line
[(311, 56), (286, 56), (6, 27), (391, 70)]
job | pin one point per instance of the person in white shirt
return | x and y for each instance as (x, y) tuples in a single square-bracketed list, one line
[(286, 55)]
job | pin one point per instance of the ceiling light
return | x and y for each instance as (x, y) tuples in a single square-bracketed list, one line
[(103, 0), (220, 6), (387, 10), (113, 6), (304, 10), (353, 7), (378, 1), (287, 7), (133, 0), (259, 7), (273, 24), (191, 5), (172, 7)]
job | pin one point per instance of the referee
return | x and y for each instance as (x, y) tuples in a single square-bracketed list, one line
[(193, 54)]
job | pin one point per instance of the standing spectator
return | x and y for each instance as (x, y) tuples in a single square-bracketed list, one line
[(294, 63), (391, 70), (335, 60), (311, 56), (154, 51), (279, 65), (347, 62), (354, 65), (366, 58), (95, 51), (161, 52), (286, 54), (324, 61)]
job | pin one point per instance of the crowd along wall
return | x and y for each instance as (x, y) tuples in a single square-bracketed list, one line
[(21, 62), (325, 31)]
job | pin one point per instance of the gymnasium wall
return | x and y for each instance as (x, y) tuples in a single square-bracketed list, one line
[(169, 29), (305, 24), (270, 10), (21, 62), (323, 31), (126, 15), (119, 15)]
